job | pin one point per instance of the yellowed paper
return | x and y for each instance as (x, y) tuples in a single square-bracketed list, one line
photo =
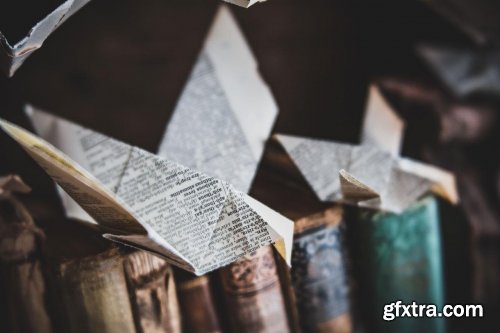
[(195, 221)]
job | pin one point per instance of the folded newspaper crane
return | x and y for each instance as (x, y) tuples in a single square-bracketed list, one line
[(197, 222), (221, 121), (14, 55), (371, 174)]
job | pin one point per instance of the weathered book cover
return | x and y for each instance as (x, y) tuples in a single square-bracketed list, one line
[(398, 258), (197, 303), (319, 273), (116, 290), (94, 294), (253, 296), (280, 184), (152, 292)]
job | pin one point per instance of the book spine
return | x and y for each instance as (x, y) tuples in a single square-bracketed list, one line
[(22, 283), (401, 261), (94, 294), (197, 305), (152, 292), (253, 296), (319, 273), (288, 294)]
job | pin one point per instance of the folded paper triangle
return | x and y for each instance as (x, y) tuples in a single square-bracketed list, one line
[(198, 222), (371, 174)]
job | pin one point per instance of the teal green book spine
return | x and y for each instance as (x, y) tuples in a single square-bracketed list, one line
[(401, 260)]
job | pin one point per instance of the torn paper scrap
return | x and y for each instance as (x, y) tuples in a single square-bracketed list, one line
[(364, 175), (244, 3), (382, 126), (14, 53), (197, 222), (225, 113)]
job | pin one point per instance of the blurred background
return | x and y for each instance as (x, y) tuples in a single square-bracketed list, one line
[(119, 68)]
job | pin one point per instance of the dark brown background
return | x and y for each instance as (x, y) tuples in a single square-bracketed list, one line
[(119, 66)]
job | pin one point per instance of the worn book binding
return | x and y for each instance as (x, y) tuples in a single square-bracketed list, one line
[(253, 296), (151, 288), (319, 273), (196, 299), (398, 258), (116, 291), (94, 295)]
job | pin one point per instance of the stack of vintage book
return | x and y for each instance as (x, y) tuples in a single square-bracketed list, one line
[(226, 220)]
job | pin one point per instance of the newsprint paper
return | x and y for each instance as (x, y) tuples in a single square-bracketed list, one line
[(197, 222), (223, 117), (371, 174), (14, 53), (225, 113)]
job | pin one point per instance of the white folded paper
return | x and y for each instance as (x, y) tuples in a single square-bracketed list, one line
[(382, 127), (197, 222), (226, 111), (223, 117), (371, 174), (13, 55), (244, 3)]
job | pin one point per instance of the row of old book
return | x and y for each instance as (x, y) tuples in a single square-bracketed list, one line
[(346, 264)]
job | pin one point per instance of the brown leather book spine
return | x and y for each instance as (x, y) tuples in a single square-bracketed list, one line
[(94, 294), (199, 312), (152, 293), (285, 277), (253, 296), (22, 284)]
